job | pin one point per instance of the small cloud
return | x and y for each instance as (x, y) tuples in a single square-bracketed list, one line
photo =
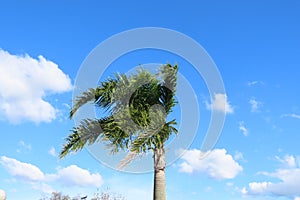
[(252, 83), (288, 161), (66, 105), (243, 129), (259, 187), (23, 147), (229, 184), (220, 103), (45, 188), (292, 115), (255, 105), (208, 189), (244, 191), (217, 164), (52, 152), (238, 156)]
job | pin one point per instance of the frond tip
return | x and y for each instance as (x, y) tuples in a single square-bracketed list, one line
[(84, 98), (73, 143), (86, 133)]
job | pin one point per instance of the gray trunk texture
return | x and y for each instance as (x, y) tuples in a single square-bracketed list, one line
[(159, 174)]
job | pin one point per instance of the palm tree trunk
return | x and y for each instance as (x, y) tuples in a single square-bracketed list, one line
[(159, 192)]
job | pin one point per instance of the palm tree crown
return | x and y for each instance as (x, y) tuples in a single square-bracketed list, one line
[(136, 109)]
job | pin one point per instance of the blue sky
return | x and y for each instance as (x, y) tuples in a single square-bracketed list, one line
[(255, 45)]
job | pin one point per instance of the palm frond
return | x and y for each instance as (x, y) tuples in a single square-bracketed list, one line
[(169, 76), (73, 143), (104, 94), (126, 160), (84, 98), (153, 139), (168, 86), (86, 133)]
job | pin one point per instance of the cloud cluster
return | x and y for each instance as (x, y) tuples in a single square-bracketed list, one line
[(216, 164), (24, 84), (68, 176), (288, 177)]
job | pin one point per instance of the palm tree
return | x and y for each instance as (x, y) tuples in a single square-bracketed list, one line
[(136, 109)]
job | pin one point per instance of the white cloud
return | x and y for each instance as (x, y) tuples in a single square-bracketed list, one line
[(252, 83), (291, 115), (220, 103), (259, 188), (25, 171), (243, 129), (208, 189), (254, 105), (23, 147), (244, 191), (238, 156), (24, 84), (288, 180), (68, 176), (73, 175), (52, 152), (45, 188), (229, 184), (288, 161), (216, 164)]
